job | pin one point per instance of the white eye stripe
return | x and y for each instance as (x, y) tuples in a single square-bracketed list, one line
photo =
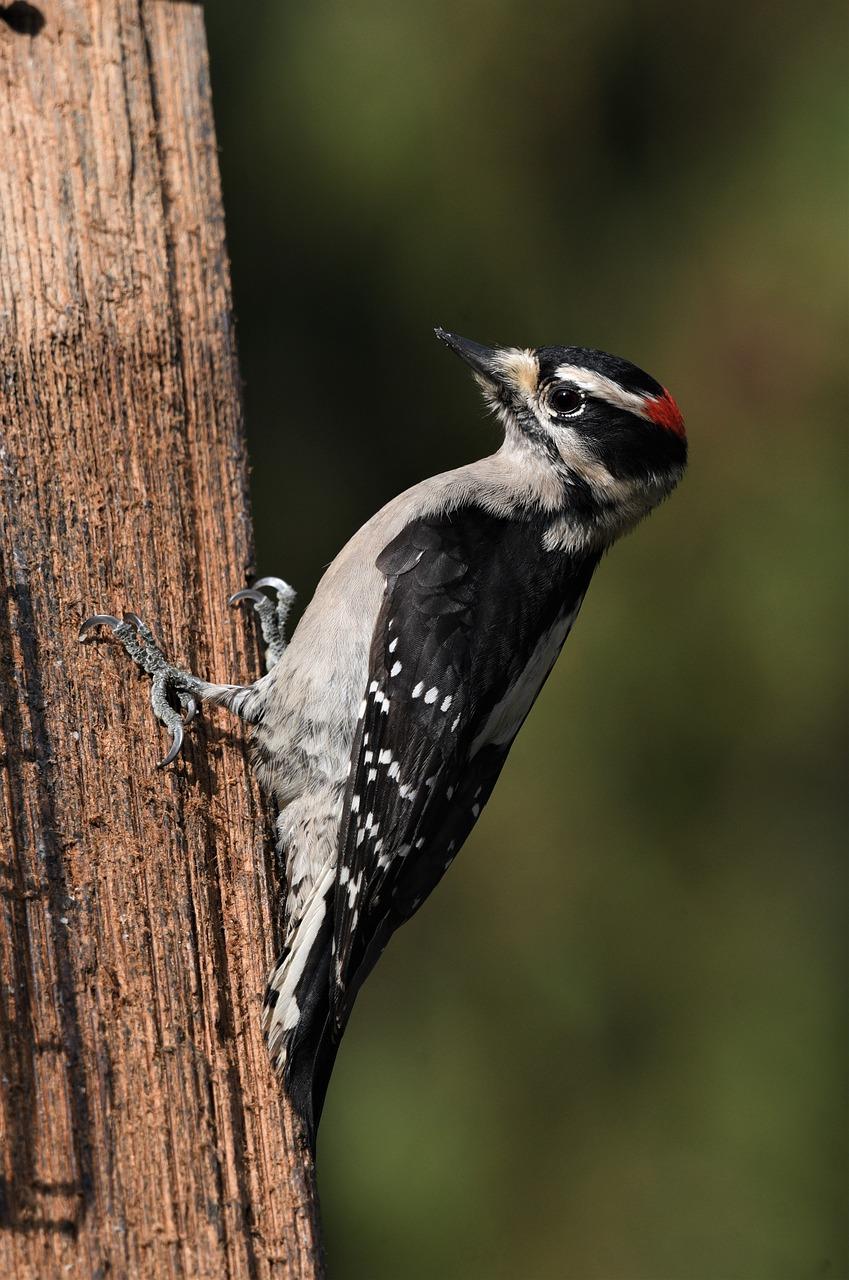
[(596, 384)]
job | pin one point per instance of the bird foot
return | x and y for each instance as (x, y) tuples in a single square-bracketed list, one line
[(272, 612), (172, 687)]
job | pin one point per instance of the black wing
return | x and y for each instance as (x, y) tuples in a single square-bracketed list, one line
[(468, 596)]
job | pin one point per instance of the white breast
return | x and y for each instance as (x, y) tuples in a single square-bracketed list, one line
[(505, 719)]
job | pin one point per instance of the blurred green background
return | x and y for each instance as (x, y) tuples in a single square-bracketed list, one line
[(612, 1046)]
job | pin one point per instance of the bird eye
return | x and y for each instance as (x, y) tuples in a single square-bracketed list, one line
[(566, 401)]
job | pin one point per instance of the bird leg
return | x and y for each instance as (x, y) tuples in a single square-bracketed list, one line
[(175, 693), (272, 615)]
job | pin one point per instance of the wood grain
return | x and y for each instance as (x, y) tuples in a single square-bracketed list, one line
[(142, 1131)]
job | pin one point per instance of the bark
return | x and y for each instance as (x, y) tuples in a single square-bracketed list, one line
[(143, 1133)]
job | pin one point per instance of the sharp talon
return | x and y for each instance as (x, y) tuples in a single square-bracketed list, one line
[(277, 584), (191, 710), (97, 620), (133, 620), (176, 747), (246, 593)]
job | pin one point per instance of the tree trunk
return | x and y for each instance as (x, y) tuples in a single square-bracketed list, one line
[(143, 1133)]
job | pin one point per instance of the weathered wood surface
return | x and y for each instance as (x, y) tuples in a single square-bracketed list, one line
[(142, 1131)]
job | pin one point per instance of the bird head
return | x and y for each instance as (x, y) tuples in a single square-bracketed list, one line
[(611, 432)]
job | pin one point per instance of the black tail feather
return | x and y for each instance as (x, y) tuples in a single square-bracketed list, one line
[(311, 1052), (312, 1049)]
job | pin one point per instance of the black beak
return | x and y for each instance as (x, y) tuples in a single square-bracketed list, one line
[(481, 359)]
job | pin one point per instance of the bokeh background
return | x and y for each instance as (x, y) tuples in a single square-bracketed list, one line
[(612, 1046)]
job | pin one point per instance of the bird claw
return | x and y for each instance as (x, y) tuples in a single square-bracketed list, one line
[(97, 620), (277, 584), (139, 643), (246, 593), (176, 745), (285, 594)]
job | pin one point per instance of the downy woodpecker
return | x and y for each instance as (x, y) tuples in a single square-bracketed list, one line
[(381, 728)]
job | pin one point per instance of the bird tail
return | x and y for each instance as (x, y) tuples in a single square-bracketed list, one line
[(296, 1011)]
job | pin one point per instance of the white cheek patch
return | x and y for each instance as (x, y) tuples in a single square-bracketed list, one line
[(596, 384)]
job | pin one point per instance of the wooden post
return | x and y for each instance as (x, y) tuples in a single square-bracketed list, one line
[(143, 1134)]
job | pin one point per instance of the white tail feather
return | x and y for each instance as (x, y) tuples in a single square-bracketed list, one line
[(280, 1019)]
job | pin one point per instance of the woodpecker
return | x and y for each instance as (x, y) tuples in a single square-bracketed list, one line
[(381, 728)]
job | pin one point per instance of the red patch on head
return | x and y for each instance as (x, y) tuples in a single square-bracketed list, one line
[(664, 411)]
